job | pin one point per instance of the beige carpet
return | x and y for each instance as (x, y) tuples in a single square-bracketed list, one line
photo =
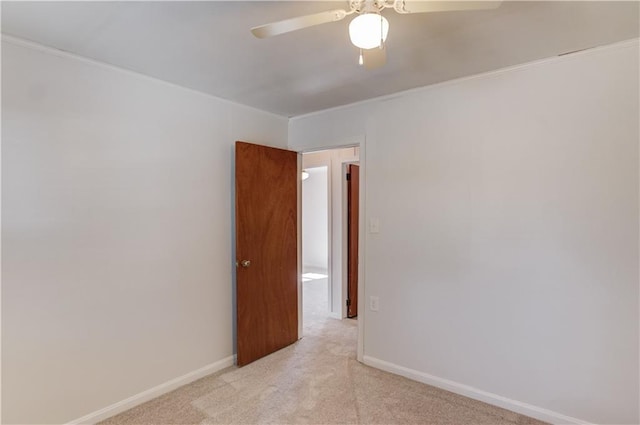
[(315, 381)]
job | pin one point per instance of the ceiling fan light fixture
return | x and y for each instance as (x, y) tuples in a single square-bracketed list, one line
[(368, 30)]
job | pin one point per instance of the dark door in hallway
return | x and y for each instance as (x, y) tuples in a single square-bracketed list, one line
[(266, 250), (353, 199)]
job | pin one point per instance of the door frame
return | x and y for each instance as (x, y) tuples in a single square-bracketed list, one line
[(359, 142)]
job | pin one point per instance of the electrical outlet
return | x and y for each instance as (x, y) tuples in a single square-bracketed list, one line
[(374, 303)]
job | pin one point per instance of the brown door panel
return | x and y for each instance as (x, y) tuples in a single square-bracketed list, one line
[(266, 237), (353, 203)]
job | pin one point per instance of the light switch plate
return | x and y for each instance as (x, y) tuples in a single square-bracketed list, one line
[(374, 303), (374, 225)]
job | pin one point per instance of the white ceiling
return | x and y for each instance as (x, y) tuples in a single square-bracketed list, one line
[(207, 45)]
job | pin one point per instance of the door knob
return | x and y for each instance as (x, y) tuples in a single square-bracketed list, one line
[(245, 263)]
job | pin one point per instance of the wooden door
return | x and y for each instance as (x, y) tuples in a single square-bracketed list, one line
[(266, 250), (353, 202)]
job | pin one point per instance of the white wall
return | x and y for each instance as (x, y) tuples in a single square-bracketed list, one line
[(117, 211), (507, 258), (315, 220)]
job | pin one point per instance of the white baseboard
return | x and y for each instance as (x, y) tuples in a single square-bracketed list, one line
[(474, 393), (335, 315), (152, 393)]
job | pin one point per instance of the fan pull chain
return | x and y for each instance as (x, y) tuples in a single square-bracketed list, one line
[(360, 59)]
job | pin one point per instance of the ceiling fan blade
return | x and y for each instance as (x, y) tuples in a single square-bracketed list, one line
[(293, 24), (420, 6), (374, 58)]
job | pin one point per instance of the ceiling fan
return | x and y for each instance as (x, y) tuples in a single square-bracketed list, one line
[(368, 30)]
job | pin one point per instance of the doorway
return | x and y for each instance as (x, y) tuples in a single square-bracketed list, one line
[(261, 218), (325, 224)]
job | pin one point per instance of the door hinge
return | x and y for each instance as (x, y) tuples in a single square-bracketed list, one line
[(348, 176), (348, 303)]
